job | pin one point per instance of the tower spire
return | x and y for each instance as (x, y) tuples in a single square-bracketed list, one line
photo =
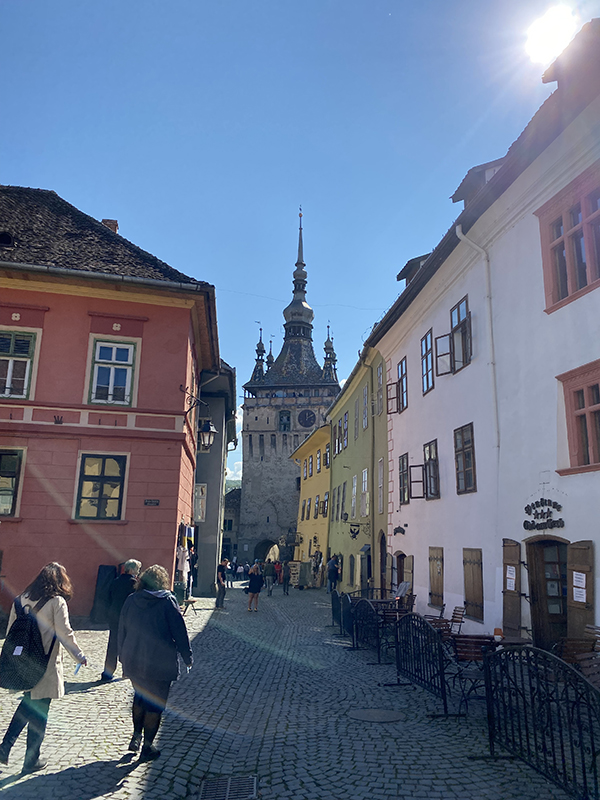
[(300, 262), (329, 367), (259, 368)]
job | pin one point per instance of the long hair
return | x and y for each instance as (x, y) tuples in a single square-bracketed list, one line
[(153, 579), (52, 581)]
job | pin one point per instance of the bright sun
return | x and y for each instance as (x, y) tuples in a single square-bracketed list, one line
[(550, 34)]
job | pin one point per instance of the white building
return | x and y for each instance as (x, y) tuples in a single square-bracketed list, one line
[(493, 371)]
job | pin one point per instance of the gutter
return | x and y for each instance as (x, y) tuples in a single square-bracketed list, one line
[(490, 327)]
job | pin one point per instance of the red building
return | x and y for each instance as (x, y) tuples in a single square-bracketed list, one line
[(97, 339)]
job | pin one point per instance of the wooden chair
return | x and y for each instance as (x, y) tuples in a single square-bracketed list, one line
[(190, 602), (589, 664), (593, 632), (456, 620), (468, 650), (569, 649)]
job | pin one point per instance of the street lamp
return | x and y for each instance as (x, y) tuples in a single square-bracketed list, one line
[(207, 434)]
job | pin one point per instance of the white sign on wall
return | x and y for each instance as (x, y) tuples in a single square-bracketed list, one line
[(200, 502)]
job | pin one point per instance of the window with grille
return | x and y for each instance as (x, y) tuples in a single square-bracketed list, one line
[(473, 576), (16, 358), (284, 421), (11, 462), (379, 389), (403, 479), (427, 362), (464, 457), (453, 350), (432, 472), (101, 486), (581, 389), (112, 373)]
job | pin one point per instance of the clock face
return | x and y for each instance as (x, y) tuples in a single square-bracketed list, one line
[(306, 418)]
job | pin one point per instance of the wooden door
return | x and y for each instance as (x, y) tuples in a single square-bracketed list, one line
[(473, 575), (436, 576), (511, 587), (580, 588), (547, 561), (409, 572)]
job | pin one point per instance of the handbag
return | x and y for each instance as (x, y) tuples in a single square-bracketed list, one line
[(246, 590)]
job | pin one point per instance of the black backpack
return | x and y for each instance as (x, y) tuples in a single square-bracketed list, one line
[(23, 661)]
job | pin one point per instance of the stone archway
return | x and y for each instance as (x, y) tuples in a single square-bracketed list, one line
[(266, 549)]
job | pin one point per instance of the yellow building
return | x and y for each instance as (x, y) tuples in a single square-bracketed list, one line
[(313, 455)]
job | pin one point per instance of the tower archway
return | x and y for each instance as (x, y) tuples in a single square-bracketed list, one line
[(266, 549)]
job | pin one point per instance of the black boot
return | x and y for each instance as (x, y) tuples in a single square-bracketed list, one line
[(151, 725)]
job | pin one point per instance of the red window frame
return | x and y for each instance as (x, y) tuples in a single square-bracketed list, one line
[(570, 228), (581, 388)]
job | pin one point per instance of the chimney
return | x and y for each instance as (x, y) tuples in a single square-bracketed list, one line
[(112, 224)]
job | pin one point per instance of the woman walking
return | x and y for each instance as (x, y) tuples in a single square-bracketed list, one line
[(46, 597), (151, 633), (254, 587)]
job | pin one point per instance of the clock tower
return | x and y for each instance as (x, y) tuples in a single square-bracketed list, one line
[(284, 401)]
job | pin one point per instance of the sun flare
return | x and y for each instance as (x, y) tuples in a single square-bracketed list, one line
[(550, 34)]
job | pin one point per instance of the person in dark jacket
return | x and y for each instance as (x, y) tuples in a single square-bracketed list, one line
[(254, 587), (151, 633), (119, 591)]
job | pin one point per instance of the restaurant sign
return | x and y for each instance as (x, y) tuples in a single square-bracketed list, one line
[(542, 515)]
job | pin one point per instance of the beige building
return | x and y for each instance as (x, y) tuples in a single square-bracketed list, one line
[(313, 457)]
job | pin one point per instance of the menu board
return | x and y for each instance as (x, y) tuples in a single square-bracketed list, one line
[(294, 572)]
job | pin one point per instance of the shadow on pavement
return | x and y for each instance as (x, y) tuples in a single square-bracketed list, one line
[(77, 686), (74, 783)]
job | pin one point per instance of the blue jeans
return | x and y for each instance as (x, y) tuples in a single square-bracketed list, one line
[(269, 584)]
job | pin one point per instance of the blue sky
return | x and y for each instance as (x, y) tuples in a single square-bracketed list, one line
[(201, 126)]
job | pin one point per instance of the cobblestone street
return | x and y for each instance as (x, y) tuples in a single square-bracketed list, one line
[(269, 695)]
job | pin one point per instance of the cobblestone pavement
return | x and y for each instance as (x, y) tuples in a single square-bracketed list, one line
[(269, 695)]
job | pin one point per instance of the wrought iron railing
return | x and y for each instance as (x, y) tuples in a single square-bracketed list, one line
[(347, 617), (545, 712), (336, 609), (370, 593), (367, 627), (420, 655)]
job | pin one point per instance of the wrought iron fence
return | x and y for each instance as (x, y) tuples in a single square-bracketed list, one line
[(545, 712), (370, 593), (336, 609), (347, 617), (420, 655), (367, 627)]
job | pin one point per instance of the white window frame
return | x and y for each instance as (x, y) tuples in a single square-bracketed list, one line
[(112, 365), (12, 358), (365, 420), (364, 503), (353, 503)]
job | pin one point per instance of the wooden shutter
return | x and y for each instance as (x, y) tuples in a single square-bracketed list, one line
[(443, 354), (409, 571), (580, 570), (511, 597), (392, 397), (436, 576), (473, 572)]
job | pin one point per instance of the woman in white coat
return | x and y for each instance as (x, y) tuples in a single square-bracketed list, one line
[(52, 587)]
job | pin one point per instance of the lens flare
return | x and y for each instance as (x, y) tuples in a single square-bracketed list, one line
[(550, 34)]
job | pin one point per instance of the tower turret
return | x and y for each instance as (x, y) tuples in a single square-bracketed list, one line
[(329, 367), (258, 374)]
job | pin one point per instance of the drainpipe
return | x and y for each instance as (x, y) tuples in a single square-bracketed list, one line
[(490, 327)]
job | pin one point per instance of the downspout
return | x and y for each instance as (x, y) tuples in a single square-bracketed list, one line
[(490, 327)]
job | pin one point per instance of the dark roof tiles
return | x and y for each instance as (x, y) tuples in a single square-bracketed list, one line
[(48, 231)]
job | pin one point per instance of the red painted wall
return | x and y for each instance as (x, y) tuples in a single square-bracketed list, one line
[(161, 458)]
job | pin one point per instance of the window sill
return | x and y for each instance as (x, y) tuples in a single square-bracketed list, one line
[(6, 518), (566, 300), (577, 470), (474, 619), (98, 521)]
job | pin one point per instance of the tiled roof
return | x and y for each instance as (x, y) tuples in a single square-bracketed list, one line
[(48, 231)]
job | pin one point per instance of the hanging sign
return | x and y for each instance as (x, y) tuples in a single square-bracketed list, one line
[(542, 515)]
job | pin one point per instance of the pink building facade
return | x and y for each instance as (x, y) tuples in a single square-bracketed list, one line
[(97, 340)]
